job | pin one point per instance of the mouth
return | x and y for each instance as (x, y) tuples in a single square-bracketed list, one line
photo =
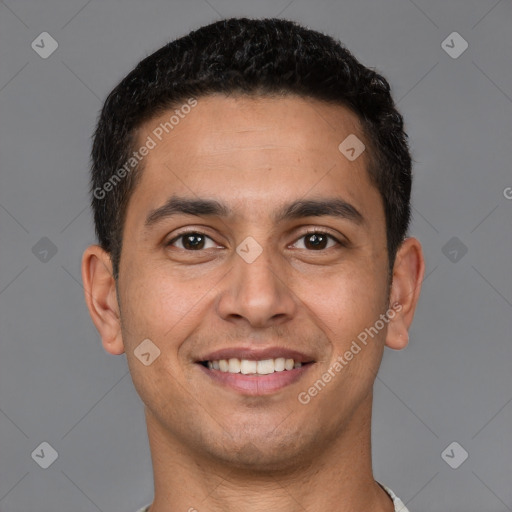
[(253, 367), (253, 374)]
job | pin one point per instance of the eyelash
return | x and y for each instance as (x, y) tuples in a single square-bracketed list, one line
[(308, 233)]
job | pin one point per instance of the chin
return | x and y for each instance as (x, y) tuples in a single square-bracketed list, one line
[(264, 453)]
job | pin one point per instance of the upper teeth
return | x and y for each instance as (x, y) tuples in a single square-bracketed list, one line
[(246, 366)]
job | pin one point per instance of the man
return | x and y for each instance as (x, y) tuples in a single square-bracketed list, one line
[(251, 186)]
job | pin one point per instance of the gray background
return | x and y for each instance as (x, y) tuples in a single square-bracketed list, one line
[(453, 382)]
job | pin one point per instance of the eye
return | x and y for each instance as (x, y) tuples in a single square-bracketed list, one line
[(317, 241), (197, 241), (192, 241)]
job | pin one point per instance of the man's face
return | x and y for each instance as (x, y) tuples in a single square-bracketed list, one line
[(195, 295)]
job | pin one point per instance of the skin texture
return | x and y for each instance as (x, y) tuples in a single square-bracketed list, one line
[(215, 449)]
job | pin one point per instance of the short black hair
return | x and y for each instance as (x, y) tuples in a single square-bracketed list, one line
[(255, 57)]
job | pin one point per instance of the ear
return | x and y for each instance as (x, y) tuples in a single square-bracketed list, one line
[(101, 297), (408, 272)]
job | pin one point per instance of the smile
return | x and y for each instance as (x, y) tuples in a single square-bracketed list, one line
[(255, 377), (249, 366)]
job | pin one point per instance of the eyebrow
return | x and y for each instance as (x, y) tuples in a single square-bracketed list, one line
[(333, 207)]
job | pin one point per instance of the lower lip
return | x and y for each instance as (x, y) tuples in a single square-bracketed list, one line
[(256, 385)]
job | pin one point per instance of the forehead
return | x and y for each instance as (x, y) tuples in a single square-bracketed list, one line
[(252, 149), (219, 123)]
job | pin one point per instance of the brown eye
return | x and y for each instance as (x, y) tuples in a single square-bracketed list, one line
[(317, 241), (191, 241)]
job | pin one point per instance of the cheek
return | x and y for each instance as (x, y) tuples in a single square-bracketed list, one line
[(162, 305), (344, 301), (157, 307), (346, 304)]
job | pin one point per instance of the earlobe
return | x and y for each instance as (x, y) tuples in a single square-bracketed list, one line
[(408, 272), (397, 336), (101, 297)]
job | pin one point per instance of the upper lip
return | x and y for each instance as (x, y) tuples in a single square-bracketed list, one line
[(257, 354)]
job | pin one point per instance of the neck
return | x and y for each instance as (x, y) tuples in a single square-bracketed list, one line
[(336, 475)]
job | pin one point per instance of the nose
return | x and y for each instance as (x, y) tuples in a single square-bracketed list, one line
[(256, 293)]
